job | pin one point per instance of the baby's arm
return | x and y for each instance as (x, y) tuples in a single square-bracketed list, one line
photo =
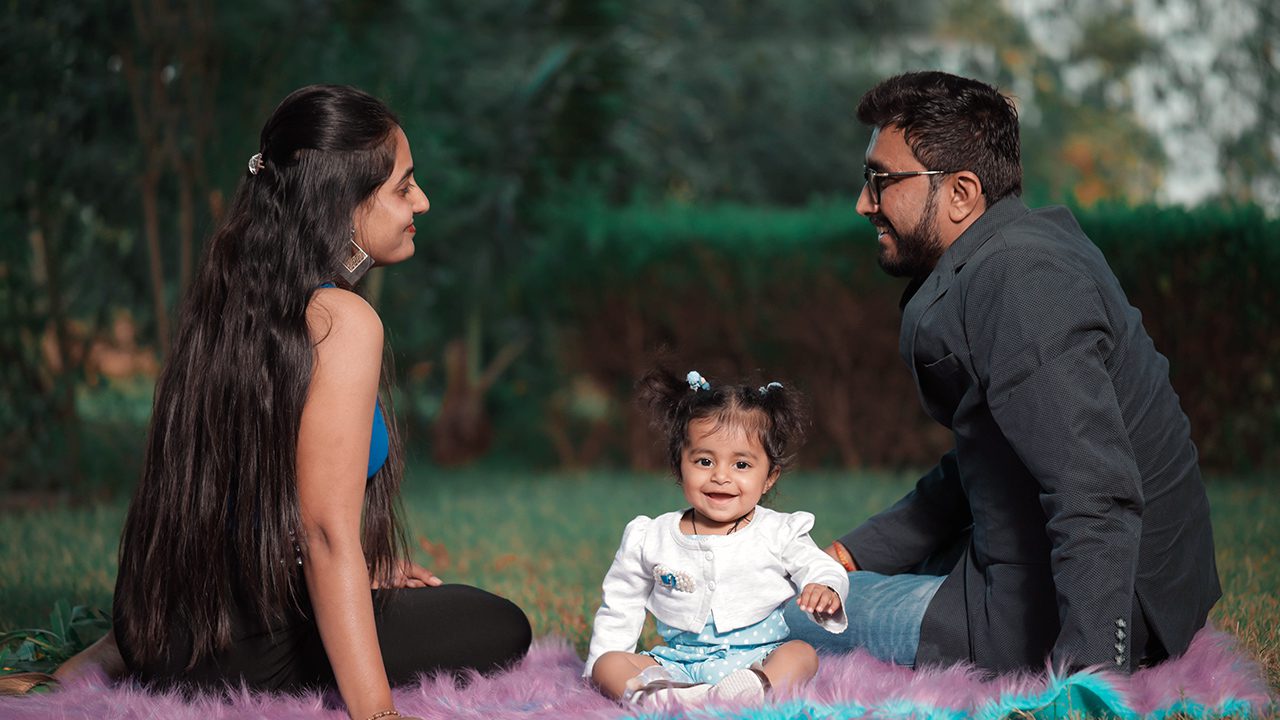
[(626, 587), (816, 573)]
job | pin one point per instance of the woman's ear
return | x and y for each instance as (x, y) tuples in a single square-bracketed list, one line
[(965, 196)]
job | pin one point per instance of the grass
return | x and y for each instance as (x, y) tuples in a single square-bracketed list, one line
[(545, 541)]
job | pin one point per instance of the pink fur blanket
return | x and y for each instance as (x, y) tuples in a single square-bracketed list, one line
[(1213, 679)]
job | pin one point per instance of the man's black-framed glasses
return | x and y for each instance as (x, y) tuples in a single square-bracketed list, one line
[(874, 177)]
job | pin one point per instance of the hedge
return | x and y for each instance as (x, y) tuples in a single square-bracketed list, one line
[(795, 294)]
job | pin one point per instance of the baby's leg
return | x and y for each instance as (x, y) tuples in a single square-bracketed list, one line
[(613, 669), (793, 663)]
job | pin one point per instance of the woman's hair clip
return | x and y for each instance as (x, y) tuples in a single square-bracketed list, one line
[(764, 389), (256, 164), (697, 382)]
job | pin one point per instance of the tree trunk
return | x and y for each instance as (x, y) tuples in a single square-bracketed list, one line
[(149, 184), (45, 252), (186, 225)]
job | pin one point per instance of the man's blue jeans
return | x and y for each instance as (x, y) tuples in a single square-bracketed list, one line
[(885, 612)]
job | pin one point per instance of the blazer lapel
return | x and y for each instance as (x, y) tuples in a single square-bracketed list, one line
[(938, 282), (931, 290)]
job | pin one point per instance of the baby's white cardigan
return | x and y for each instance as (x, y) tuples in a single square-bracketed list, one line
[(739, 578)]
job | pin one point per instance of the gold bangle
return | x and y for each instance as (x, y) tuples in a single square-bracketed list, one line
[(384, 714)]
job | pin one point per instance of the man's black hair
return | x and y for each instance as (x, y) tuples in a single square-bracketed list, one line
[(952, 123)]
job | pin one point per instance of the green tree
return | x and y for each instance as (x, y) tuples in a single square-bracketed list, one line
[(62, 196)]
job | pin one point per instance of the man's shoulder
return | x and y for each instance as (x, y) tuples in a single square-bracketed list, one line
[(1043, 236), (1046, 228)]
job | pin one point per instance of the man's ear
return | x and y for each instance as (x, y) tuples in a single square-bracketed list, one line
[(965, 195)]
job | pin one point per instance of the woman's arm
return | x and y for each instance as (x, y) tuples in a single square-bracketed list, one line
[(333, 451), (102, 656)]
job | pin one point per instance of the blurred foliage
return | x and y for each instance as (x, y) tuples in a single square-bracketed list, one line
[(1208, 284), (1199, 78), (531, 121), (731, 289), (43, 650), (68, 241)]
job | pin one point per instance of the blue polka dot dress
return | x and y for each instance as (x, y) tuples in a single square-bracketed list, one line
[(707, 656)]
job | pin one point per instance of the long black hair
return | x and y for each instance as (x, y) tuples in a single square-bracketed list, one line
[(214, 519), (777, 414)]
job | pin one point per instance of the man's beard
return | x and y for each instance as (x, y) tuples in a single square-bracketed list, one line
[(918, 249)]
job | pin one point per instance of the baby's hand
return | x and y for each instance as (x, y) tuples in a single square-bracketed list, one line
[(820, 600)]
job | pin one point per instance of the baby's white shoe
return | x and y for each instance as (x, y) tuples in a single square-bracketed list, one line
[(653, 687), (746, 686), (671, 694)]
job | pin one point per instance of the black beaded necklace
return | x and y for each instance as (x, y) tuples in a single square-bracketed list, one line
[(693, 520)]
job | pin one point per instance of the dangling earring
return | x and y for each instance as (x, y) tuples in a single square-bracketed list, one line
[(357, 264)]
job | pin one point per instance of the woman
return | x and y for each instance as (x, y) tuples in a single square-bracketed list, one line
[(267, 505)]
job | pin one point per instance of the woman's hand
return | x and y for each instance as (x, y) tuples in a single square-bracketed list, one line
[(410, 574), (820, 600)]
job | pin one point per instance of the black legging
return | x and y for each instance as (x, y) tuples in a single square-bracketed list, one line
[(450, 628)]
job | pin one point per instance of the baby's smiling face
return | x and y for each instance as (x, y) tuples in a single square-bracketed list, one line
[(724, 471)]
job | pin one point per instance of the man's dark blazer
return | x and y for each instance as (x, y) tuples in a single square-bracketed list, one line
[(1074, 487)]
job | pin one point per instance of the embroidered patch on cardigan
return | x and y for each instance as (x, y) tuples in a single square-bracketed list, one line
[(672, 579)]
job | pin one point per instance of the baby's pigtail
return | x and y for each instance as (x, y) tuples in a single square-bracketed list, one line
[(788, 422), (660, 394), (669, 401)]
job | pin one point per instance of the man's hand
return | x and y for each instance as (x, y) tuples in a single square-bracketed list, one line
[(410, 574), (820, 600), (841, 555)]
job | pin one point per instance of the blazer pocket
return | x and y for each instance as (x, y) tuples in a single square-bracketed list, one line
[(942, 383)]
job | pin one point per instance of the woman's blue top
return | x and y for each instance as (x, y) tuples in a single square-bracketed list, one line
[(379, 444)]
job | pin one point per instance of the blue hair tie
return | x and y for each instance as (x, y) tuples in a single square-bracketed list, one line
[(696, 381), (764, 389)]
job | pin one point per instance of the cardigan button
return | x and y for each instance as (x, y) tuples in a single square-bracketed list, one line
[(710, 555), (711, 585)]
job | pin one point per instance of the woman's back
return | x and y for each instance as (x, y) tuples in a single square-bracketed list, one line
[(264, 527)]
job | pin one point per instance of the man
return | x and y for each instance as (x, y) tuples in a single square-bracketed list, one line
[(1069, 524)]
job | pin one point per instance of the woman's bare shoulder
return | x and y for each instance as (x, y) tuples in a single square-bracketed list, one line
[(342, 322)]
